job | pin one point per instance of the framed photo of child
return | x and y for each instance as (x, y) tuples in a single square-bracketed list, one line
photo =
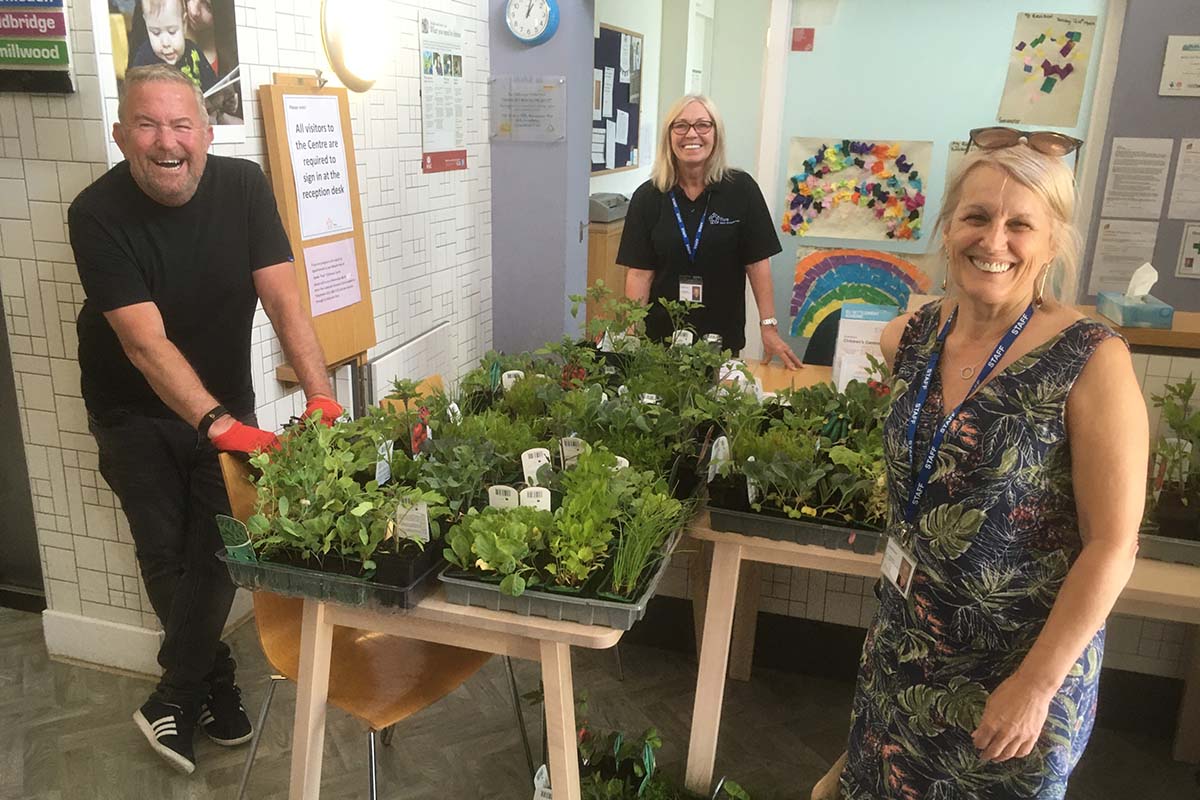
[(199, 37)]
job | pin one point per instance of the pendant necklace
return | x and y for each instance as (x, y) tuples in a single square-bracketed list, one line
[(966, 373)]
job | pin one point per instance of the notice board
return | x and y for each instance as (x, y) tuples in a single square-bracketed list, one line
[(616, 100), (311, 155)]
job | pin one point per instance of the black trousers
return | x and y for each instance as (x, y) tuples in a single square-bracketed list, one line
[(170, 486)]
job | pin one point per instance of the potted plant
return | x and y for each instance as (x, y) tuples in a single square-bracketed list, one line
[(502, 543), (1176, 506), (586, 520), (644, 526)]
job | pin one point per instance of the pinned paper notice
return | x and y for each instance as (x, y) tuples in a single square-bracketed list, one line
[(1143, 280), (609, 76), (597, 93), (610, 145), (625, 61), (622, 127)]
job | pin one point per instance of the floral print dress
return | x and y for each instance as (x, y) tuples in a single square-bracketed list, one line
[(996, 535)]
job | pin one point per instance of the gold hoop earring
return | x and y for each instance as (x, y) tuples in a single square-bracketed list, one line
[(945, 279), (1040, 297)]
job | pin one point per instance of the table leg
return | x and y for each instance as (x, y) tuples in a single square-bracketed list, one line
[(1187, 734), (745, 621), (560, 720), (312, 689), (698, 571), (714, 658)]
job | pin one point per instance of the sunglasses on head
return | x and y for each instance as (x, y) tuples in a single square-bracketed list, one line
[(1050, 143)]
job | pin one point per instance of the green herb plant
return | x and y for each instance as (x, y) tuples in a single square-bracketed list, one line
[(503, 542)]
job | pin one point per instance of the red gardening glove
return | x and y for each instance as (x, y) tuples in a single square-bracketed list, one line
[(329, 408), (244, 439)]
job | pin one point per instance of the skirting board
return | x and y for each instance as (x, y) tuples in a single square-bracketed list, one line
[(99, 642)]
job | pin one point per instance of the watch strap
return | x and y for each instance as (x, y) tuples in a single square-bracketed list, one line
[(208, 419)]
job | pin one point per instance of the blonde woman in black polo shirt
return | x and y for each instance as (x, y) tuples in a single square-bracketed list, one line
[(697, 230)]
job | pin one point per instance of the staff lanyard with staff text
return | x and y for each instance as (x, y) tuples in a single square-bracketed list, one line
[(692, 247), (921, 481)]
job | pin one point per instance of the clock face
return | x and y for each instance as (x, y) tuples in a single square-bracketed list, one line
[(528, 19)]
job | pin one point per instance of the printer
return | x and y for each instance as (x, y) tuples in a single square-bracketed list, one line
[(607, 207)]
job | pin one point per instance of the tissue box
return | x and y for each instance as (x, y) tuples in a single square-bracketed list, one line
[(1145, 311)]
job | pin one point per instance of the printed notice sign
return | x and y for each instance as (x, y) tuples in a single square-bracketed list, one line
[(443, 93), (332, 276), (314, 134)]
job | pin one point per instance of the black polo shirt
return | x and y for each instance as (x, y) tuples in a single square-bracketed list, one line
[(738, 231)]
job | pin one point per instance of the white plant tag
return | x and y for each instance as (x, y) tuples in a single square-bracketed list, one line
[(649, 399), (603, 398), (720, 455), (531, 459), (713, 339), (622, 462), (569, 448), (683, 338), (731, 368), (536, 497), (752, 489), (383, 467), (454, 413), (622, 390), (610, 370), (605, 344), (412, 522), (503, 497), (507, 379)]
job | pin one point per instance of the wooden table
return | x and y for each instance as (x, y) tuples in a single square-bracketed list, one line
[(1157, 589), (435, 620)]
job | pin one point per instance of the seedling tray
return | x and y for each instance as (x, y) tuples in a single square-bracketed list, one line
[(535, 603), (1165, 548), (785, 529), (347, 590)]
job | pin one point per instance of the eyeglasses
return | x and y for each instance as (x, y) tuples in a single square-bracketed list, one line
[(1050, 143), (680, 127)]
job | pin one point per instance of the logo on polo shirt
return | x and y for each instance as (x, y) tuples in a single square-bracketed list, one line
[(716, 219)]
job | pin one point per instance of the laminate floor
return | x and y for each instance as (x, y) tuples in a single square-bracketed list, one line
[(65, 733)]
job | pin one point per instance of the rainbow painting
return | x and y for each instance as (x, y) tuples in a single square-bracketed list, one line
[(828, 279)]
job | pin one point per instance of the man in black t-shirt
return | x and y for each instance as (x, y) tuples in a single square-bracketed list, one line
[(174, 249)]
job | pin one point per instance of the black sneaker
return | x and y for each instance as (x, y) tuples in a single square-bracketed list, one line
[(168, 728), (223, 717)]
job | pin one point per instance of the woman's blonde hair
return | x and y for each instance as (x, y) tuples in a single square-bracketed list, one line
[(1049, 178), (665, 174)]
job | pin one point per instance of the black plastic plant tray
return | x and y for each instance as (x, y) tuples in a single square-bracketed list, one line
[(785, 529)]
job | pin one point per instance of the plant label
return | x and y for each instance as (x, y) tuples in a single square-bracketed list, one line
[(509, 378), (454, 414), (720, 456), (569, 448), (536, 497), (622, 462), (383, 467), (683, 338), (603, 398), (752, 489), (531, 460), (610, 370), (731, 368), (622, 390), (649, 399), (714, 339), (412, 522), (605, 344), (503, 497)]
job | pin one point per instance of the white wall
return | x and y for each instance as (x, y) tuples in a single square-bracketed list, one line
[(736, 74), (644, 17), (428, 246)]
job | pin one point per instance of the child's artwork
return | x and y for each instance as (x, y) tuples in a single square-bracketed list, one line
[(828, 279), (198, 37), (856, 189), (1047, 68)]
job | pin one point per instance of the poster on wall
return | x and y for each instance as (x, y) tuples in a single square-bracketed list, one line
[(856, 188), (1047, 68), (1189, 252), (198, 37), (1137, 177), (1185, 189), (1181, 67), (1122, 245), (332, 272), (443, 94), (314, 135)]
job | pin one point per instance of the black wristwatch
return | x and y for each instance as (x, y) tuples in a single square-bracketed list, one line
[(208, 419)]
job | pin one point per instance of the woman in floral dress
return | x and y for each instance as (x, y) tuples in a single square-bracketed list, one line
[(978, 680)]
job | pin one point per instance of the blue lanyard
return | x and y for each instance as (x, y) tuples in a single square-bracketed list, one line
[(691, 247), (921, 482)]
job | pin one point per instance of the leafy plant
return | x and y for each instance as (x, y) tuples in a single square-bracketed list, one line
[(1178, 454), (613, 315), (644, 526), (500, 541), (457, 471), (586, 520)]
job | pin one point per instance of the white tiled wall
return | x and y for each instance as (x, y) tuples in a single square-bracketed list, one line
[(428, 242), (1133, 643)]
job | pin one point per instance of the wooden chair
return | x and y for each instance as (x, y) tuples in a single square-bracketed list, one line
[(379, 679)]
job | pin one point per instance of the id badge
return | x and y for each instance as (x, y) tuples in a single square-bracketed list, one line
[(899, 566), (691, 288)]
